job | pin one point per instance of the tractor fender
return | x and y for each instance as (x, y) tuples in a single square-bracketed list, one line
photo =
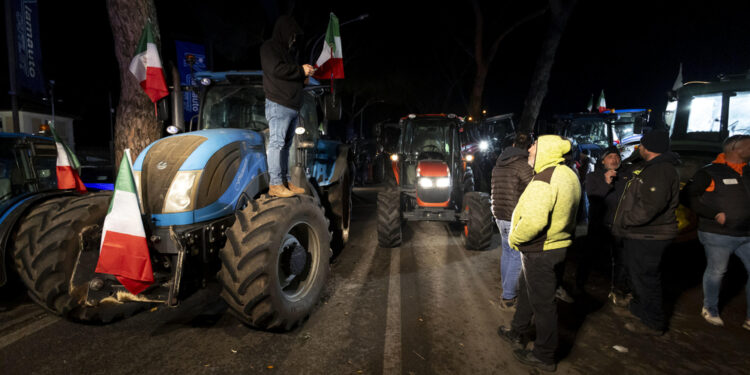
[(331, 158), (10, 220)]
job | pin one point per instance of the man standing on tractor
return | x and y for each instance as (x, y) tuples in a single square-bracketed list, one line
[(542, 230), (283, 81)]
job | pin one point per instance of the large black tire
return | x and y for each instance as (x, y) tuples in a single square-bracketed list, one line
[(340, 216), (267, 280), (478, 227), (389, 218), (46, 249)]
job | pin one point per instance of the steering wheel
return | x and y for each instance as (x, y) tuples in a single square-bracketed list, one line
[(431, 148)]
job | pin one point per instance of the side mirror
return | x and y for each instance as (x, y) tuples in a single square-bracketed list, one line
[(332, 107), (639, 124)]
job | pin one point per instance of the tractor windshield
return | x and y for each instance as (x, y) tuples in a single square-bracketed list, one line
[(241, 107), (429, 138), (589, 131)]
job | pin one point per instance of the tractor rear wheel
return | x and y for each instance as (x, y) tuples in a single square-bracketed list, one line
[(275, 262), (47, 244), (479, 222), (389, 218)]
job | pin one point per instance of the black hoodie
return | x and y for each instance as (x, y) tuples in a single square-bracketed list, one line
[(510, 176), (283, 77)]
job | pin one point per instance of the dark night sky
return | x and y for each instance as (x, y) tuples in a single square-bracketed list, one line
[(414, 54)]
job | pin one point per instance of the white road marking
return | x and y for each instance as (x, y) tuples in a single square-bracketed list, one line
[(30, 329), (392, 345)]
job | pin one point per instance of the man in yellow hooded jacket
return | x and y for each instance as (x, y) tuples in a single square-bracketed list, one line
[(542, 229)]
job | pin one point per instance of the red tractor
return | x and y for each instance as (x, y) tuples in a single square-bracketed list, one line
[(428, 180)]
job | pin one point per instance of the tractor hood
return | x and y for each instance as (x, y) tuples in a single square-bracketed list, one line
[(432, 168), (198, 176)]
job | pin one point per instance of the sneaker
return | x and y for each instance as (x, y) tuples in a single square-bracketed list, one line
[(619, 299), (746, 325), (508, 304), (529, 359), (563, 295), (711, 319), (515, 339), (294, 188), (279, 191), (639, 328)]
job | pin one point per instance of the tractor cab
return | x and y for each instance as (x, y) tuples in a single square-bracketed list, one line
[(597, 131)]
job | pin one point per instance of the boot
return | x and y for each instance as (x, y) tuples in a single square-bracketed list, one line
[(295, 189), (279, 191)]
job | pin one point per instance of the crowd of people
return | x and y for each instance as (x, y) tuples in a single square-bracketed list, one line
[(630, 206)]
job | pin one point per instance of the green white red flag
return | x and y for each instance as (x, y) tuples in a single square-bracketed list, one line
[(146, 66), (124, 250), (67, 166), (330, 63), (602, 103)]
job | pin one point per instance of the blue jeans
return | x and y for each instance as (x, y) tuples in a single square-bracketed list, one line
[(510, 262), (718, 249), (281, 123)]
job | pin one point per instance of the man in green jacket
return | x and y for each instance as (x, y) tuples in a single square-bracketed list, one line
[(542, 229)]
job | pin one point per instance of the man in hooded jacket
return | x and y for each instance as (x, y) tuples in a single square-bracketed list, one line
[(542, 229), (283, 81), (645, 218), (510, 176)]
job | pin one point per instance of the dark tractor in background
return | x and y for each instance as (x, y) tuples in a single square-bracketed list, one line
[(481, 143), (700, 116), (428, 181)]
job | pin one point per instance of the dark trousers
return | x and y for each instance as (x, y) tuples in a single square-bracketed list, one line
[(536, 298), (599, 241), (643, 258)]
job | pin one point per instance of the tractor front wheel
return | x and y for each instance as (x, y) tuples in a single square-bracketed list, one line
[(389, 218), (275, 262), (479, 222)]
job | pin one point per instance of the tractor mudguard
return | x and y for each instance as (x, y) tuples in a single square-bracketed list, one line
[(9, 222), (331, 159)]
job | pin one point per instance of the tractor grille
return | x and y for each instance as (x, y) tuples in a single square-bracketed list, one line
[(161, 165), (435, 195), (218, 174)]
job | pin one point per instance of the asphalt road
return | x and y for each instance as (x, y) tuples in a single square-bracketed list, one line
[(428, 307)]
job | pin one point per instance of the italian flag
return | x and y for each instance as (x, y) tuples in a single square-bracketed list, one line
[(602, 103), (67, 166), (146, 66), (330, 64), (124, 251)]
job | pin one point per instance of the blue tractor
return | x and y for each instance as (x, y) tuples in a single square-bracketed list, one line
[(207, 215)]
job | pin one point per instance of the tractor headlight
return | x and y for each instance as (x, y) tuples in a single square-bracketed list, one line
[(137, 180), (484, 145), (181, 194), (469, 158), (394, 157), (443, 182), (425, 182)]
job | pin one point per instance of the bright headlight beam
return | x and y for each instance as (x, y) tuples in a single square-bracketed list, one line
[(443, 182), (484, 145), (425, 182)]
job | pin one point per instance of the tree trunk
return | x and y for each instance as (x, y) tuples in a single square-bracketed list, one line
[(136, 125), (477, 92), (560, 12)]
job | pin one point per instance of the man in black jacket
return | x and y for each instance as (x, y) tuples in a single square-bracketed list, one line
[(603, 188), (510, 176), (645, 218), (719, 193), (283, 80)]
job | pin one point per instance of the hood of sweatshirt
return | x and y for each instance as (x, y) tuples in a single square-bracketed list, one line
[(549, 151), (285, 31), (511, 154)]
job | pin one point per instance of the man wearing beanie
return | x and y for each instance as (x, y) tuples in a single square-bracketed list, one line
[(645, 218), (603, 187)]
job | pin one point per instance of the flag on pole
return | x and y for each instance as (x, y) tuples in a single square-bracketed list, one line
[(146, 66), (330, 63), (67, 166), (124, 250), (678, 81), (602, 103), (590, 106)]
